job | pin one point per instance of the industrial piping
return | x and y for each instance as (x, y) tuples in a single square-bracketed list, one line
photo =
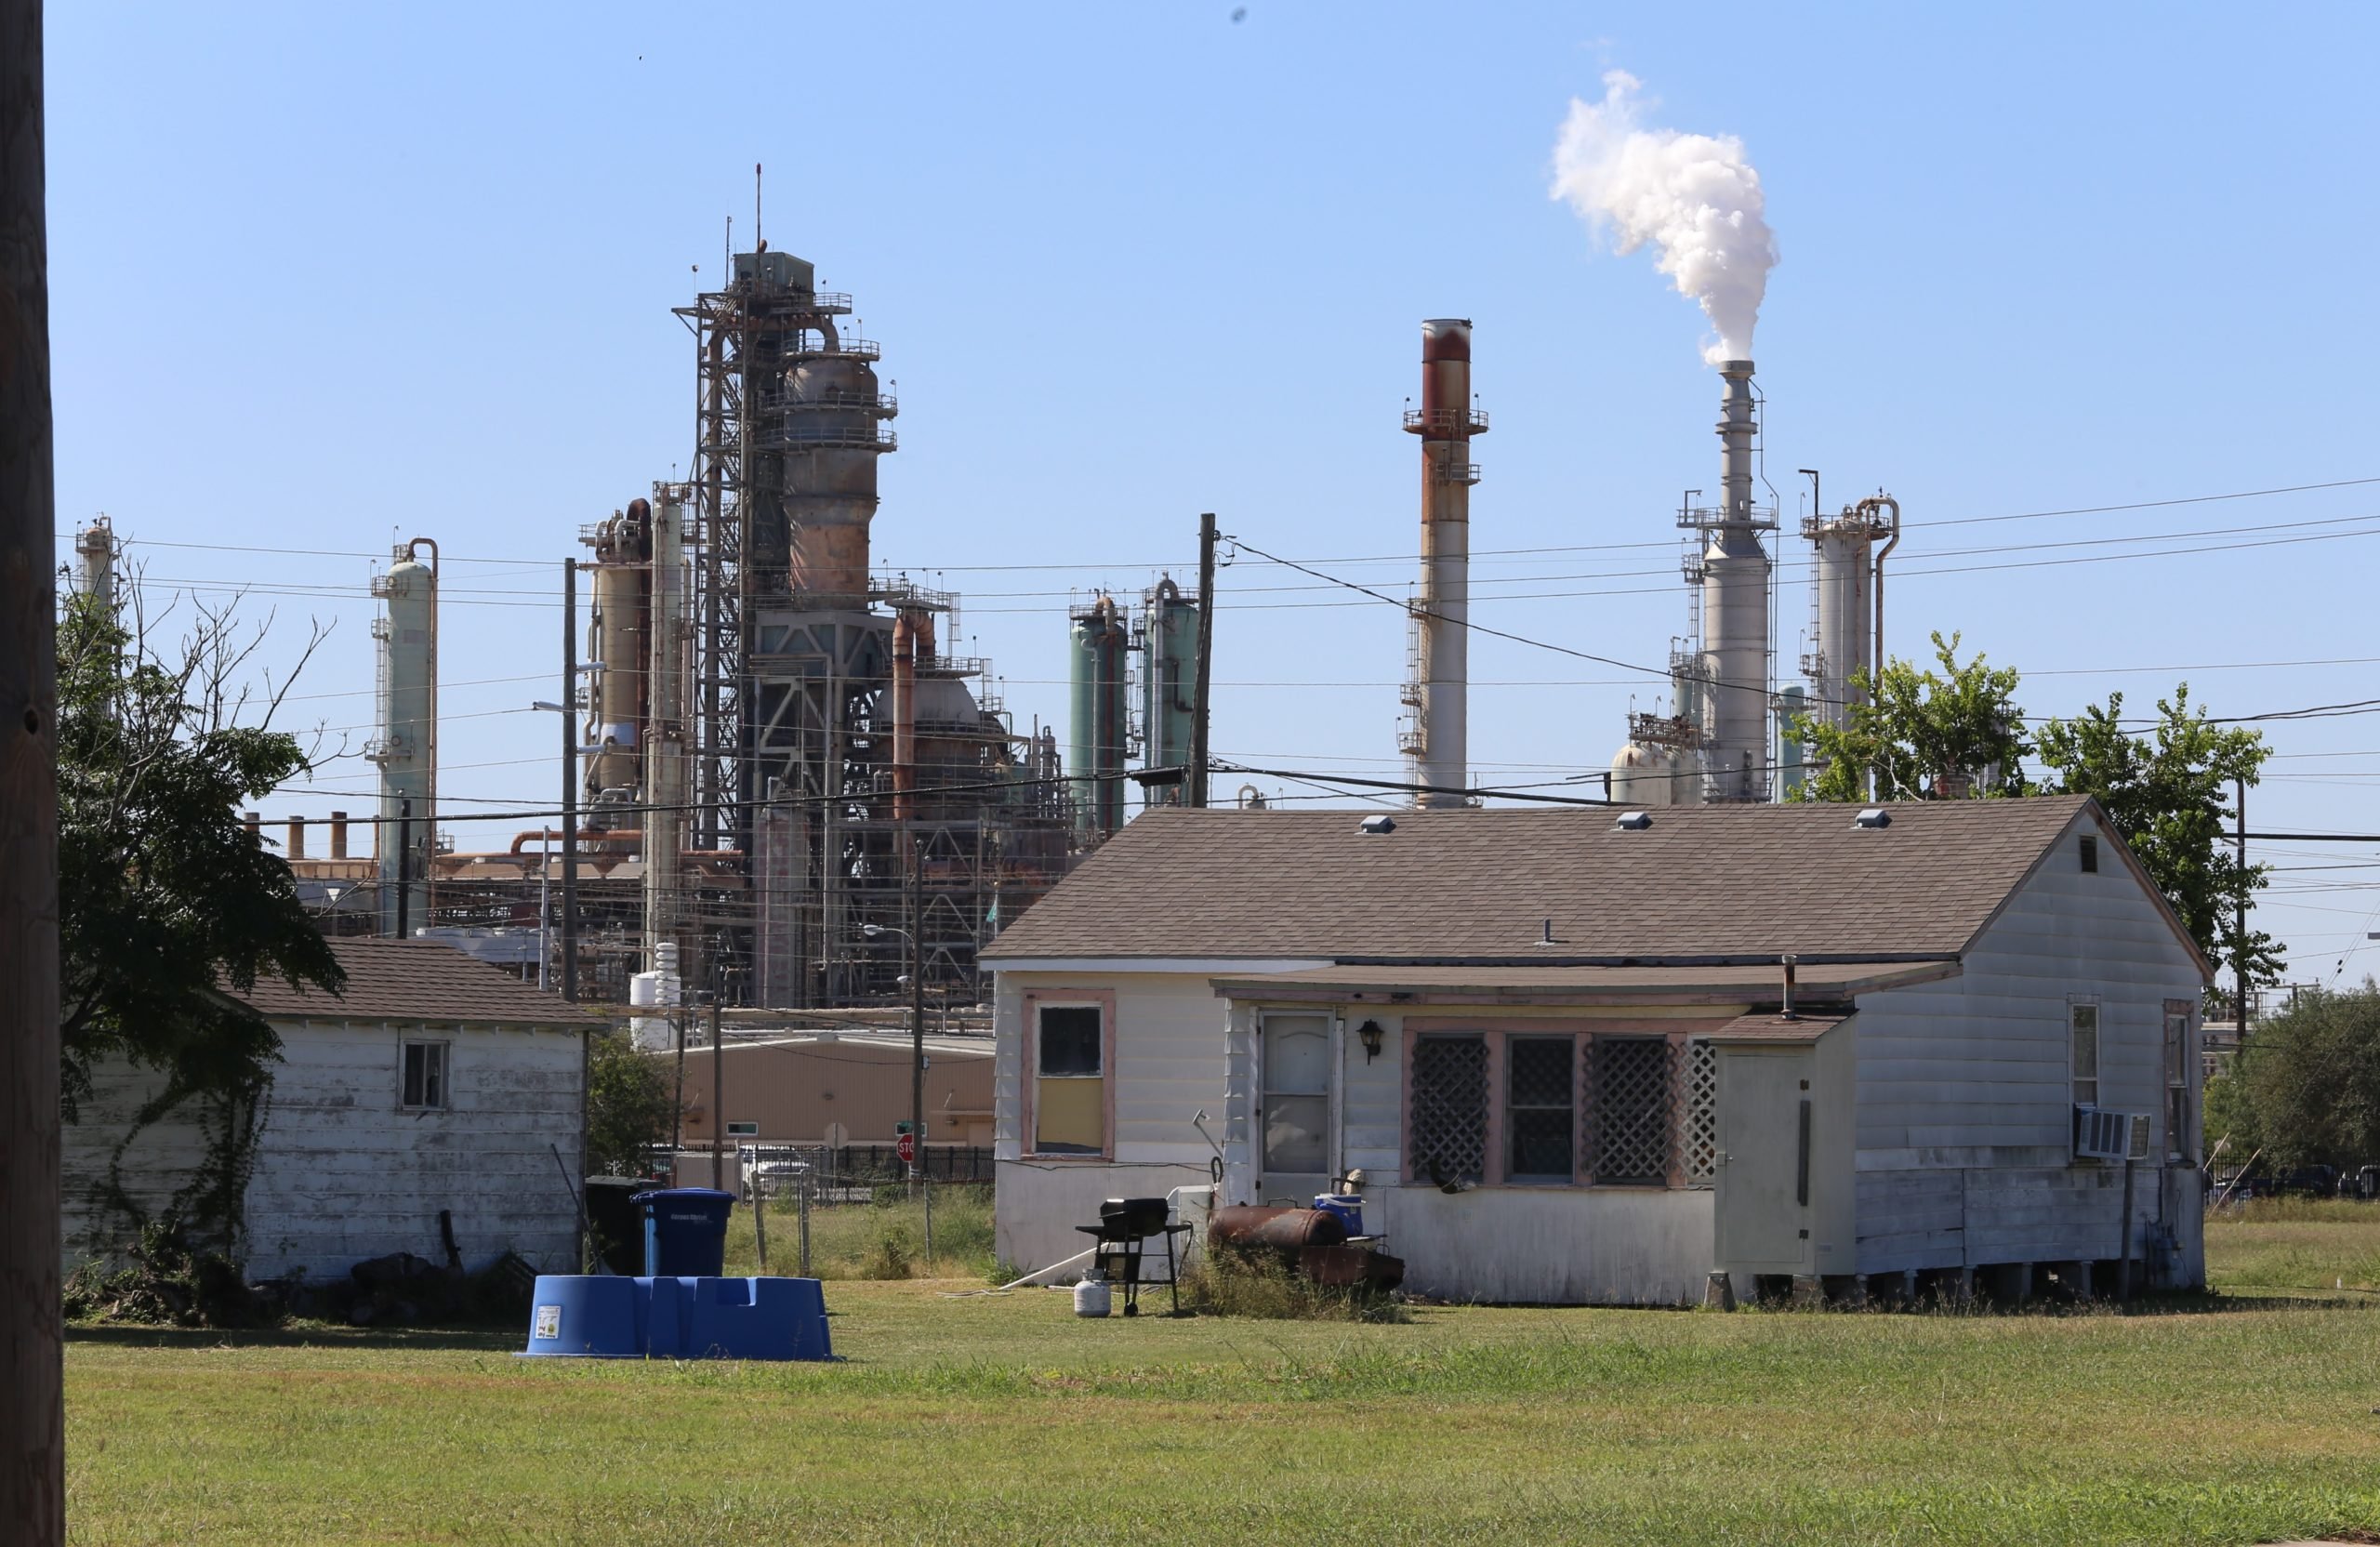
[(1436, 746)]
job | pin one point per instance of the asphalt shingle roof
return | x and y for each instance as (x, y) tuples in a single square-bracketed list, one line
[(416, 980), (1701, 882)]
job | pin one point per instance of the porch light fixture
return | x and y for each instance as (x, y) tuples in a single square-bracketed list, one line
[(1369, 1033)]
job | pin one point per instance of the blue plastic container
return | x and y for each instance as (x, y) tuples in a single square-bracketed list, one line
[(587, 1317), (671, 1317), (1349, 1208), (685, 1231)]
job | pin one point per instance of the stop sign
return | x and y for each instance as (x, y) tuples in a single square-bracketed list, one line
[(906, 1147)]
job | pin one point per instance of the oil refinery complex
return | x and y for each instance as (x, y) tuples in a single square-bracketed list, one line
[(790, 793)]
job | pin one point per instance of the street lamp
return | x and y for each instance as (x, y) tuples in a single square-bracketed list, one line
[(916, 982), (569, 849)]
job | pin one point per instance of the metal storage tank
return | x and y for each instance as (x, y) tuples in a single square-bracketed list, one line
[(1169, 684), (407, 747), (1097, 725), (1643, 775)]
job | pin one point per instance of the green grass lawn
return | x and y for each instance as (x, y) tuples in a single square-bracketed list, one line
[(1005, 1419)]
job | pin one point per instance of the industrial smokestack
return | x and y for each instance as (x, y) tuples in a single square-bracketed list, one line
[(1436, 743), (1734, 607), (1844, 574), (95, 563)]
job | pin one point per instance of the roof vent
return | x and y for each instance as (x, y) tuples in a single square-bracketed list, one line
[(1633, 820), (1874, 816), (1379, 823)]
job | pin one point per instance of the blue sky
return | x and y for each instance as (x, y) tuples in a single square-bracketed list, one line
[(325, 274)]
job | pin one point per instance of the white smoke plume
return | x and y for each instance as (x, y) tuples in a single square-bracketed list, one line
[(1692, 195)]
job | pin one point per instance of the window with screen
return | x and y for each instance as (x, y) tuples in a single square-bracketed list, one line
[(2083, 1052), (425, 1075), (1447, 1108), (1540, 1108), (1070, 1080)]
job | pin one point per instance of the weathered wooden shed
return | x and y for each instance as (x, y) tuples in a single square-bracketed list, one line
[(1559, 1048), (434, 1082)]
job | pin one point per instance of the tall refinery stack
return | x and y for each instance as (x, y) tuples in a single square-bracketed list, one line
[(1169, 625), (1098, 725), (1435, 737), (665, 732), (407, 747), (95, 563), (1847, 601), (1735, 607)]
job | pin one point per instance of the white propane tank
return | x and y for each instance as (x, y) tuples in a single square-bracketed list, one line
[(1092, 1296)]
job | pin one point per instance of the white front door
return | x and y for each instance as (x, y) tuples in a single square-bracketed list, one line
[(1293, 1107), (1763, 1175)]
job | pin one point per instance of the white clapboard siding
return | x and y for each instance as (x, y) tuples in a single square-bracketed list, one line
[(344, 1172), (1967, 1096)]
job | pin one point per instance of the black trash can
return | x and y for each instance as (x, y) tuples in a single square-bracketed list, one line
[(618, 1224), (685, 1231)]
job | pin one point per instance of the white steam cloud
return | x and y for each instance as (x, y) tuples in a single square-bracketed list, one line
[(1692, 195)]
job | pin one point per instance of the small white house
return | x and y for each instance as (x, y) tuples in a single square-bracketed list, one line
[(434, 1082), (1559, 1045)]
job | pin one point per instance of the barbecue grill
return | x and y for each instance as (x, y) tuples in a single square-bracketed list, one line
[(1125, 1225)]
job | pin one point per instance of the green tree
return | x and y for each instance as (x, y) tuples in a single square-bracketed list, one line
[(631, 1104), (2311, 1076), (2169, 793), (1922, 735), (165, 899)]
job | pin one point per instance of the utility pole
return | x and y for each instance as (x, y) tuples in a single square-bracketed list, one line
[(2240, 929), (32, 1414), (570, 780), (1202, 693), (917, 932)]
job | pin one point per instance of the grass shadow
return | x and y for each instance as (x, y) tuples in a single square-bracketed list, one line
[(505, 1339)]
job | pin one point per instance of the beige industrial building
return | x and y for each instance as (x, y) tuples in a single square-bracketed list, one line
[(839, 1087)]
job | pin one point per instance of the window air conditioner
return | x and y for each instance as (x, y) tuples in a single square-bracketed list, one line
[(2103, 1135)]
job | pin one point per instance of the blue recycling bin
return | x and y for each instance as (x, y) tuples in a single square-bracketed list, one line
[(685, 1231)]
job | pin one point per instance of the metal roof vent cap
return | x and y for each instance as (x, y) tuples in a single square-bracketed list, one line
[(1874, 816), (1633, 821), (1379, 824)]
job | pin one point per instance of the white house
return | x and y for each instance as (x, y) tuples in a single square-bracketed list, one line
[(434, 1082), (1558, 1045)]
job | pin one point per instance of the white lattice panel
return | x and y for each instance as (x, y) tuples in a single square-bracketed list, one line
[(1699, 1130), (1449, 1107), (1631, 1110)]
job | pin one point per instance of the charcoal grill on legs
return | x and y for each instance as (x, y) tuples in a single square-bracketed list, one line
[(1120, 1249)]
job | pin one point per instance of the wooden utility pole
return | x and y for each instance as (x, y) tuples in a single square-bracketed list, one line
[(570, 780), (33, 1424), (2240, 925), (1202, 693)]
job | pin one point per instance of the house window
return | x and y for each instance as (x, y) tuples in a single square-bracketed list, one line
[(2090, 857), (2178, 1084), (2084, 1058), (1448, 1108), (1540, 1108), (1070, 1080), (425, 1077), (1632, 1082)]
